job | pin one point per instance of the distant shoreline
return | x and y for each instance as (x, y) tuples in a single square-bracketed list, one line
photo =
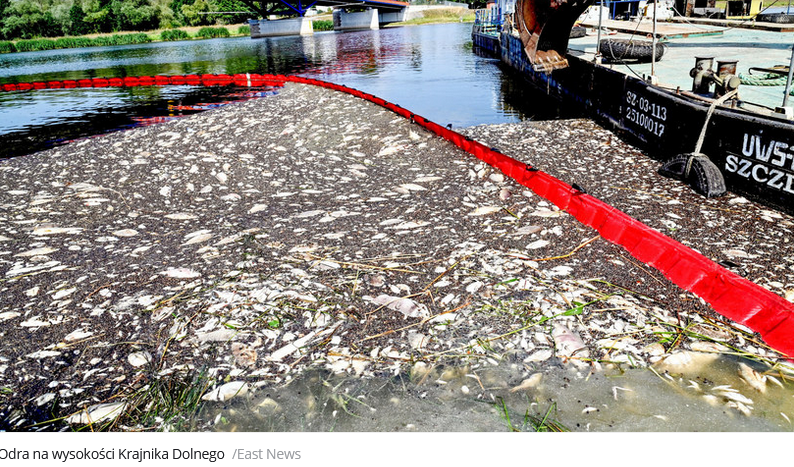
[(192, 33)]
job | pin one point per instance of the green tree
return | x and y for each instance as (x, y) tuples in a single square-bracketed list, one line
[(133, 15), (192, 13), (3, 5), (98, 17), (232, 5), (27, 19), (77, 24)]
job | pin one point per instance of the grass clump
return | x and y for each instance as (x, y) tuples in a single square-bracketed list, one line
[(244, 30), (174, 35), (73, 42), (123, 39), (168, 401), (323, 25), (530, 422), (443, 15), (33, 45), (7, 47), (212, 33)]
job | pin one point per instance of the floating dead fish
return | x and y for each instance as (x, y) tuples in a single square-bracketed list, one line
[(413, 187), (181, 216), (138, 359), (739, 254), (197, 237), (125, 233), (529, 383), (546, 213), (232, 197), (753, 378), (56, 230), (244, 355), (227, 391), (256, 208), (426, 179), (568, 342), (181, 273), (77, 335), (406, 306), (38, 251), (98, 413), (63, 293), (43, 354), (485, 210), (389, 150), (537, 244)]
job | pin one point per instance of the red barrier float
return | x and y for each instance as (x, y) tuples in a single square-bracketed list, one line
[(729, 294)]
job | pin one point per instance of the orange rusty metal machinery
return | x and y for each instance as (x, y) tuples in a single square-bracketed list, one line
[(544, 27)]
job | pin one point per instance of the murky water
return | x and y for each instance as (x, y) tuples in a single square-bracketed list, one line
[(510, 397), (428, 69)]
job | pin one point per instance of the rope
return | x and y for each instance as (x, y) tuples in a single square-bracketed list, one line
[(768, 79), (702, 136)]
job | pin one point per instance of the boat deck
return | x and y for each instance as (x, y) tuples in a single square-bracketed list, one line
[(737, 23), (644, 27), (752, 49)]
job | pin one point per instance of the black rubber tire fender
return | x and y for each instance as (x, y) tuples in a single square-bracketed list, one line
[(578, 31), (704, 176), (618, 50)]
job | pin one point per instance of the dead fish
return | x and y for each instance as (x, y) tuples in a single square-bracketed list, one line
[(753, 378), (568, 342), (528, 383), (181, 216), (406, 306), (485, 210)]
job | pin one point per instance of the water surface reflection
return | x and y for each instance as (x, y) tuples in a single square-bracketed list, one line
[(551, 397), (428, 69)]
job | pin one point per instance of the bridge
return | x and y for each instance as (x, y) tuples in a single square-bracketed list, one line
[(374, 14)]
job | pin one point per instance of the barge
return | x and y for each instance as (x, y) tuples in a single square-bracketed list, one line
[(707, 135)]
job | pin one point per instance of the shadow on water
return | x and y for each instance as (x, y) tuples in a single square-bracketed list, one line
[(710, 396), (430, 70)]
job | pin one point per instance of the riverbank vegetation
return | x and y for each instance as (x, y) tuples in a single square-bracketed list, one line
[(34, 25), (29, 19), (442, 15)]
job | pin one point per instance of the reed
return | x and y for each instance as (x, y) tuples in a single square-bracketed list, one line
[(7, 47), (123, 39), (323, 25), (211, 33), (33, 45), (73, 42), (174, 35), (244, 30)]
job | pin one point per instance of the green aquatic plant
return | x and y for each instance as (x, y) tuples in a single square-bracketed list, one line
[(211, 33), (7, 47), (323, 25), (174, 35), (34, 45), (530, 422), (170, 400)]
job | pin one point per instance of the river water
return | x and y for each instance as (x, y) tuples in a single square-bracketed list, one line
[(429, 69)]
